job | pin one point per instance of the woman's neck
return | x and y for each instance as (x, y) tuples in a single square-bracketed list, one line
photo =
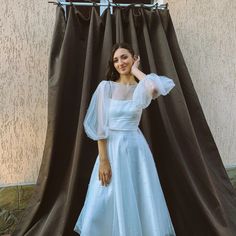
[(127, 79)]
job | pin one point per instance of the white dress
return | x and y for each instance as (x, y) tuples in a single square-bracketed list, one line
[(133, 203)]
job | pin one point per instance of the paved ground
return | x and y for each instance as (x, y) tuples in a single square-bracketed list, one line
[(13, 201)]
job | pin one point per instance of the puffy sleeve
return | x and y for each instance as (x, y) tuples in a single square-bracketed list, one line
[(143, 93), (96, 118)]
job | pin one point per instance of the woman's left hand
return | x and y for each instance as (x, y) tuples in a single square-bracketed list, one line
[(136, 63), (135, 70)]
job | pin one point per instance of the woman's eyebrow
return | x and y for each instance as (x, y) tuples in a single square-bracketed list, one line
[(120, 56)]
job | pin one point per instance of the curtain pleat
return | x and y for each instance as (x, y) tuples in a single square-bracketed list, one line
[(199, 195)]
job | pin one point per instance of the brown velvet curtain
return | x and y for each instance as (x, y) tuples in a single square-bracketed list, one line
[(200, 197)]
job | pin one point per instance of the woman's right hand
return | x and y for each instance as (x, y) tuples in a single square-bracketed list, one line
[(104, 171)]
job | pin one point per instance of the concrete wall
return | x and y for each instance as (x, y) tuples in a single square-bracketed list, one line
[(206, 35)]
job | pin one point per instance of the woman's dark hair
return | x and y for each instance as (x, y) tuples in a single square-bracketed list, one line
[(112, 73)]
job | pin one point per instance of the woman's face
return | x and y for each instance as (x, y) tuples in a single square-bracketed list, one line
[(123, 61)]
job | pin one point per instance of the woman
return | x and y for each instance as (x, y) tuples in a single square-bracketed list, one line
[(124, 195)]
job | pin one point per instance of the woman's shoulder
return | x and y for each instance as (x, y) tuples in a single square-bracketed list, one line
[(103, 83)]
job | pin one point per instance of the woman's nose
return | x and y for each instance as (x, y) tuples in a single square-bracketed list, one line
[(120, 62)]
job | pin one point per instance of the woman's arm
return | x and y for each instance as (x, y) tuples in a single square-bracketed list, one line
[(102, 149), (140, 75), (104, 166), (137, 73)]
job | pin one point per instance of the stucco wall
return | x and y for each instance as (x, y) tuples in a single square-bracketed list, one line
[(206, 31), (26, 29), (206, 35)]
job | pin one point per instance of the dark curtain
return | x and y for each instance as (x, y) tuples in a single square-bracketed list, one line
[(200, 197)]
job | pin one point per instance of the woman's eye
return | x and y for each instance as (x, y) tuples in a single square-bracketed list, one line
[(122, 57)]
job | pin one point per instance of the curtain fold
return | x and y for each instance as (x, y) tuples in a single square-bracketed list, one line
[(199, 195)]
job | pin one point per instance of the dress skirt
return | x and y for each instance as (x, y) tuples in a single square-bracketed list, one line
[(132, 204)]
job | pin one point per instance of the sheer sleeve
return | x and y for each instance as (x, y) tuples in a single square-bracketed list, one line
[(96, 118), (143, 93)]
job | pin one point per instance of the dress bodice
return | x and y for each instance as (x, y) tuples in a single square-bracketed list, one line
[(123, 115), (119, 106)]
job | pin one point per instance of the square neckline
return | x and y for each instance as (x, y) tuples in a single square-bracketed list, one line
[(126, 85), (133, 86)]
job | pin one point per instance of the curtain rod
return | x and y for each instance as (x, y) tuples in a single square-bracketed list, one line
[(110, 4)]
